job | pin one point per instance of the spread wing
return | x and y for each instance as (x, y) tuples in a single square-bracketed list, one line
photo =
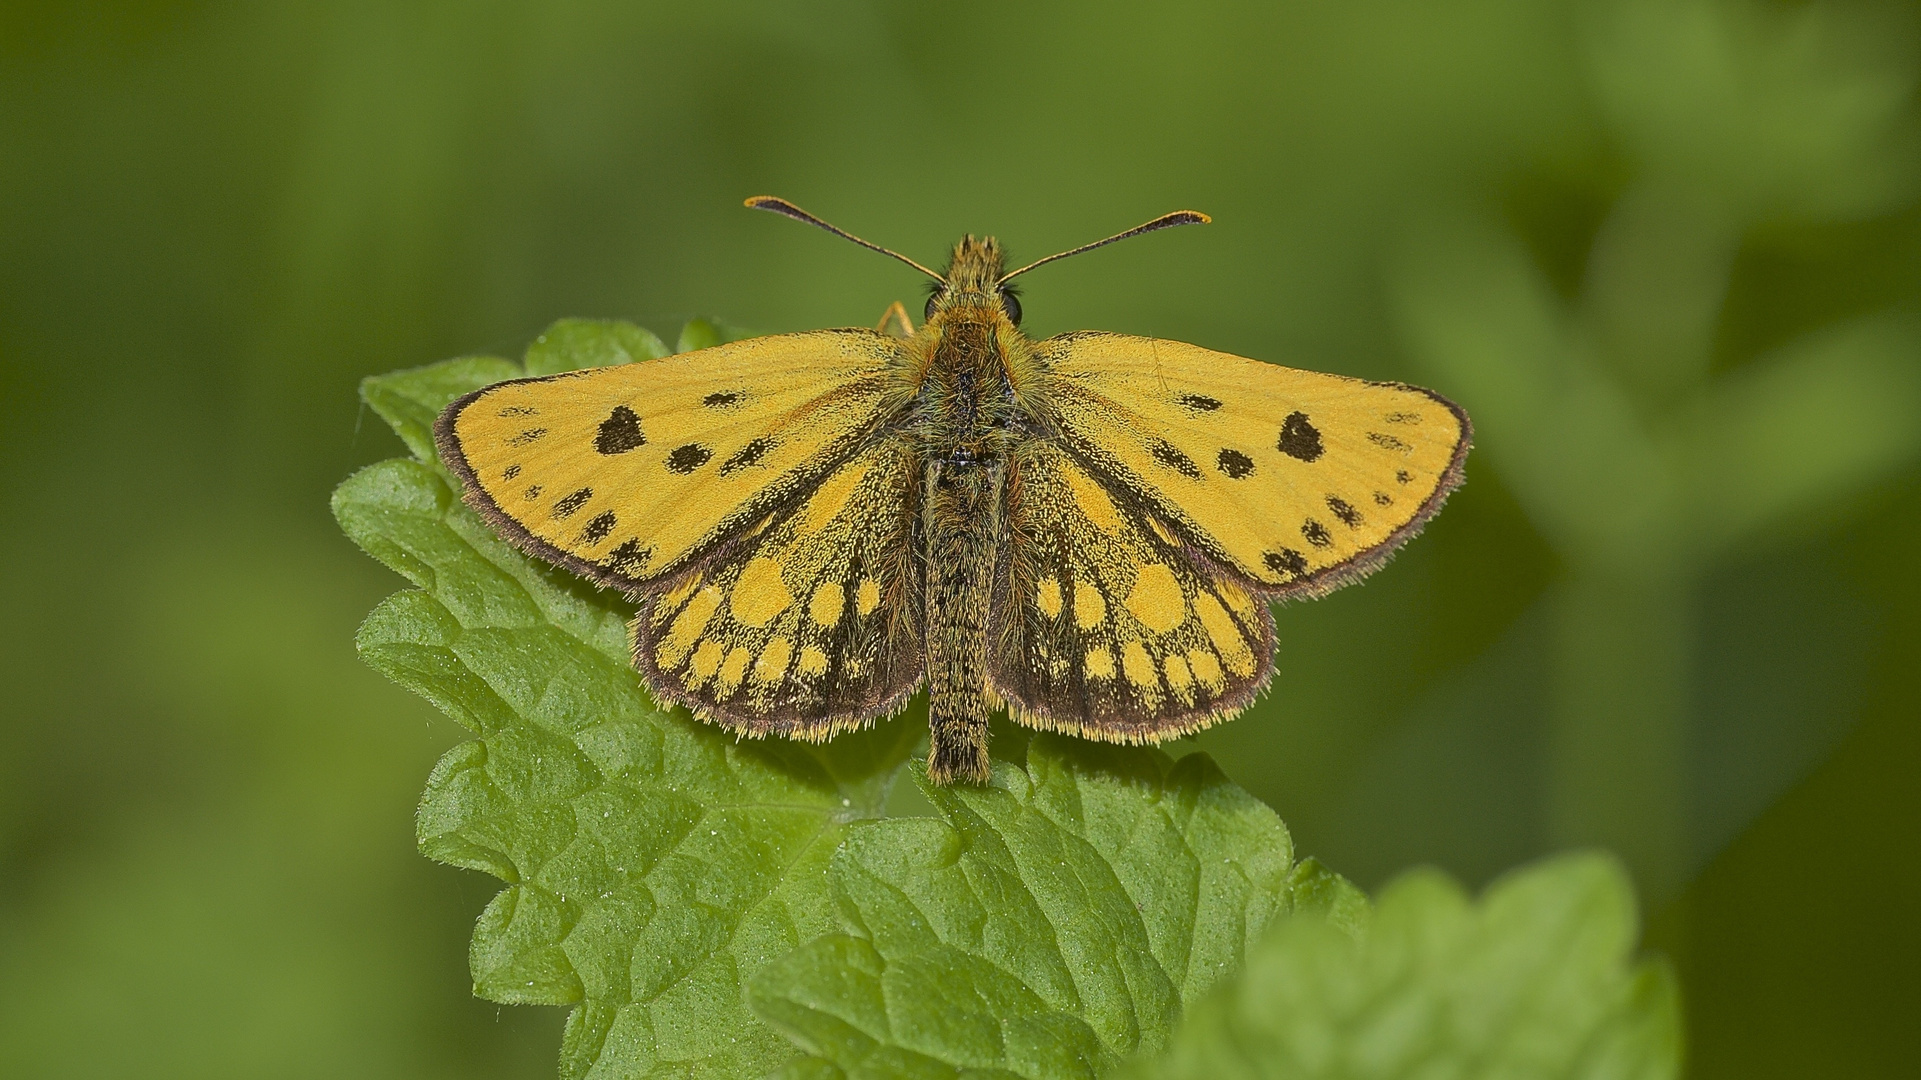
[(805, 626), (1105, 625), (1300, 481), (626, 474)]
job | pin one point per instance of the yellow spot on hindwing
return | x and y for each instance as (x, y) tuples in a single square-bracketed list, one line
[(1207, 669), (731, 670), (832, 496), (772, 663), (867, 597), (1090, 607), (706, 661), (1225, 635), (1178, 677), (813, 661), (1099, 663), (1156, 599), (1138, 666), (1048, 596), (759, 594), (686, 629), (827, 603), (1092, 500)]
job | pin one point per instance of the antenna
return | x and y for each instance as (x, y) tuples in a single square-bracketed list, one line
[(1165, 221), (787, 209)]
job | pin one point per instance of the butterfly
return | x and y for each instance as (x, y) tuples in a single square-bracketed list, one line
[(1085, 531)]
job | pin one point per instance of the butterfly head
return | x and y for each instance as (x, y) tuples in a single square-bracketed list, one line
[(973, 284)]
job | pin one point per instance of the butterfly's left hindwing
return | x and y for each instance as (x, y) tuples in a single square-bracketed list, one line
[(807, 625), (1104, 625)]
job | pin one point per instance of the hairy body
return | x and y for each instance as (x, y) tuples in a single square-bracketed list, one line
[(966, 423)]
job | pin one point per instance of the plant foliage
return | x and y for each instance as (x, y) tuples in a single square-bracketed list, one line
[(711, 907)]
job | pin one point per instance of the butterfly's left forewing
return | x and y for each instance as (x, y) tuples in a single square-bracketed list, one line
[(1104, 624), (628, 474)]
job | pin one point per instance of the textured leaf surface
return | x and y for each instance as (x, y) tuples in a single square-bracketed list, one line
[(650, 860), (1096, 909), (1049, 925), (1534, 980)]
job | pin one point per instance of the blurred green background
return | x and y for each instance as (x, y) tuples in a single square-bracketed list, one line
[(1667, 254)]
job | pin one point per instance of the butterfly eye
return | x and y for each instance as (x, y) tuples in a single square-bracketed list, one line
[(933, 299), (1012, 305)]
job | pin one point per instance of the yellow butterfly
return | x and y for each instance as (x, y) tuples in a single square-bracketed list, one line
[(1085, 530)]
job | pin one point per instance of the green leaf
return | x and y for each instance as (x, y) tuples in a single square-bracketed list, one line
[(651, 860), (719, 908), (410, 400), (572, 344), (706, 333), (1048, 925), (1535, 980)]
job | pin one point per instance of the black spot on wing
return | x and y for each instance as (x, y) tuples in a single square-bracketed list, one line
[(1300, 439), (512, 471), (1404, 477), (725, 399), (598, 528), (620, 432), (517, 410), (686, 459), (745, 456), (525, 437), (1200, 402), (1286, 559), (1403, 418), (629, 558), (533, 492), (1316, 533), (1388, 442), (1382, 498), (570, 504), (1235, 464), (1343, 510), (1169, 455)]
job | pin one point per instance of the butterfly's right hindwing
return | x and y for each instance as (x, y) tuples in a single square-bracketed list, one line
[(807, 625), (1104, 625)]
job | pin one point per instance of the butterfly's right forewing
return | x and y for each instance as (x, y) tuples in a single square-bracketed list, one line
[(1298, 480)]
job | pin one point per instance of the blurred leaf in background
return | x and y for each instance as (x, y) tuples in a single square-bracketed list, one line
[(1669, 255)]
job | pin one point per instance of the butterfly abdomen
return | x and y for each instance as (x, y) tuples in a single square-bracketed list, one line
[(962, 527)]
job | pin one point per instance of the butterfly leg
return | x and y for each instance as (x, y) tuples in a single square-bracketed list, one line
[(961, 521), (895, 321)]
